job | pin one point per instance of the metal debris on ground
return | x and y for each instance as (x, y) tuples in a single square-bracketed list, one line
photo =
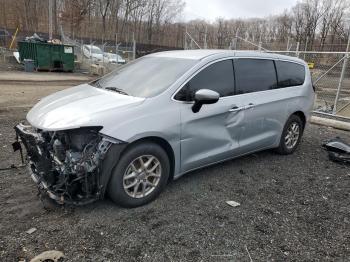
[(338, 150), (35, 38), (31, 231), (233, 203), (16, 55), (52, 255)]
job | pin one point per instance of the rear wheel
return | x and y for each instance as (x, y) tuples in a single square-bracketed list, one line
[(291, 135), (140, 175)]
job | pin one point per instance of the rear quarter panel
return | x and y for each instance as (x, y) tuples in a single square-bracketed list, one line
[(297, 98)]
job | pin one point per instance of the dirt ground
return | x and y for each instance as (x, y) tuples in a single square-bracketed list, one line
[(293, 208)]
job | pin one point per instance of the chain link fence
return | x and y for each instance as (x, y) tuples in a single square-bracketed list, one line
[(104, 64), (331, 78), (330, 70), (3, 52)]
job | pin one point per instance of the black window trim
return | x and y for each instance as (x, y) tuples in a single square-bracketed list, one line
[(274, 64), (257, 58), (197, 72), (232, 58), (234, 79), (292, 62)]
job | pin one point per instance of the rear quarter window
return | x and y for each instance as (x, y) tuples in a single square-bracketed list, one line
[(290, 74)]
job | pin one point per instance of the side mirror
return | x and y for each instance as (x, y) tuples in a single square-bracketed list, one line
[(204, 97)]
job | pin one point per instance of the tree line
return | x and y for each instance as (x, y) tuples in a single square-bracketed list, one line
[(315, 24)]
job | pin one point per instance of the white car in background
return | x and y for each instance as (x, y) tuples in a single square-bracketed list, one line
[(93, 52), (113, 58)]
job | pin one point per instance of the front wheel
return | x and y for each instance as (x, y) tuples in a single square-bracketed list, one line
[(291, 135), (140, 175)]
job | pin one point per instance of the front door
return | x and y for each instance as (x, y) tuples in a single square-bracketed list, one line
[(212, 134)]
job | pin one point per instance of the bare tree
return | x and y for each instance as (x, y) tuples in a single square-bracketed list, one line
[(104, 8), (315, 23)]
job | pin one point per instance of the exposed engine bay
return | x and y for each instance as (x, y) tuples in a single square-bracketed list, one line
[(66, 165)]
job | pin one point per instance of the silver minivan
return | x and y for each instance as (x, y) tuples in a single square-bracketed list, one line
[(130, 132)]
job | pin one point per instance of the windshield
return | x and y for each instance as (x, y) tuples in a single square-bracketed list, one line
[(146, 77), (95, 50), (113, 56)]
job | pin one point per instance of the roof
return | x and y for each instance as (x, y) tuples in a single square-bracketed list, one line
[(200, 54), (190, 54)]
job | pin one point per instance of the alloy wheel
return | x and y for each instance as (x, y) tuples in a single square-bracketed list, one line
[(292, 136), (142, 176)]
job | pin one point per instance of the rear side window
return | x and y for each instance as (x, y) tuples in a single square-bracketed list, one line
[(290, 74), (218, 77), (254, 75)]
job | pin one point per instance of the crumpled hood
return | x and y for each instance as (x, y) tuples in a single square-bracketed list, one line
[(83, 105)]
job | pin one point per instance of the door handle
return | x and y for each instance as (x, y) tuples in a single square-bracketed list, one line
[(251, 105), (236, 109)]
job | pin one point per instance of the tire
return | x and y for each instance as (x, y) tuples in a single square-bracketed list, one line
[(132, 184), (294, 122)]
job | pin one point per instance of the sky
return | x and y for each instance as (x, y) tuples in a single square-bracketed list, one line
[(212, 9)]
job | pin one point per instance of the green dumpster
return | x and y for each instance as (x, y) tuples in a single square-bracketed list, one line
[(47, 56)]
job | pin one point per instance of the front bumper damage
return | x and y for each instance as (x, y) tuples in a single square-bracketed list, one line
[(69, 166)]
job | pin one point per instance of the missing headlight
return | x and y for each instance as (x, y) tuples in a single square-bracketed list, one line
[(66, 163)]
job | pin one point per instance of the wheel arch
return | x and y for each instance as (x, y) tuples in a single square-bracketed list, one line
[(301, 115)]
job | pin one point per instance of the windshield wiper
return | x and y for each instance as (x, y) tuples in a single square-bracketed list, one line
[(96, 84), (116, 89)]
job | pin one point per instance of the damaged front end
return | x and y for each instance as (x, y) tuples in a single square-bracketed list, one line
[(67, 165)]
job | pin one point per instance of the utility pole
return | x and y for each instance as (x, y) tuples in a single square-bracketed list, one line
[(185, 44), (297, 50), (205, 38), (50, 19), (116, 43), (133, 46), (260, 43), (103, 56), (236, 39), (306, 43)]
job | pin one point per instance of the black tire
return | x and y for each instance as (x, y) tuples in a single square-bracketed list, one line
[(283, 149), (116, 189)]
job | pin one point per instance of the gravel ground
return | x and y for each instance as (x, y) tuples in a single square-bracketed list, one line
[(293, 208)]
